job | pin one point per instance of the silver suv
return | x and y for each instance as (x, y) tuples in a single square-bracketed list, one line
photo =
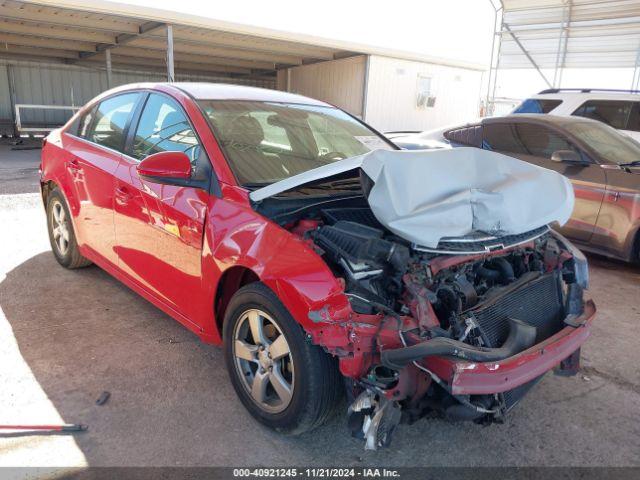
[(617, 108)]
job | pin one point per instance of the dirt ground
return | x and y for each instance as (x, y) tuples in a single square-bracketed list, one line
[(67, 336)]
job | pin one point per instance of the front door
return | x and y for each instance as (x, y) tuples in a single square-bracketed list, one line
[(535, 144), (159, 228), (619, 214), (95, 156)]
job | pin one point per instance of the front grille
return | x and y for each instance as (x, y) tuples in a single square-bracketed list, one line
[(538, 303), (482, 243)]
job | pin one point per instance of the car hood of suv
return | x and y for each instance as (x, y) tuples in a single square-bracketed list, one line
[(423, 196)]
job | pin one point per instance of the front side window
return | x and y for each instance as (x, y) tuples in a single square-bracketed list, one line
[(537, 105), (110, 120), (265, 142), (608, 143), (612, 112), (163, 127), (524, 139)]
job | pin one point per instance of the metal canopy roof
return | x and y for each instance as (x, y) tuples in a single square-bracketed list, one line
[(556, 34), (81, 32)]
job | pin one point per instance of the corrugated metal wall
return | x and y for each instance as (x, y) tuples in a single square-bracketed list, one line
[(339, 82), (392, 88), (52, 84)]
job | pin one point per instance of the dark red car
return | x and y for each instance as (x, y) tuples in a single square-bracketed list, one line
[(311, 297)]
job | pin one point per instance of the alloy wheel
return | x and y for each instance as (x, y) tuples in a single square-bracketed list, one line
[(263, 360), (60, 227)]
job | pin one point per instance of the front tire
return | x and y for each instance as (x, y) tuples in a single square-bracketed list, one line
[(283, 380), (61, 234)]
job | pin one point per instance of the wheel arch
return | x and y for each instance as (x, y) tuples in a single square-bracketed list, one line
[(49, 185), (45, 190), (231, 280)]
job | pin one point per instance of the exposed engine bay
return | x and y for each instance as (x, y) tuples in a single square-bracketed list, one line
[(449, 287), (474, 299)]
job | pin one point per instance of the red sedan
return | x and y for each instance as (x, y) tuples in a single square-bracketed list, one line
[(309, 294)]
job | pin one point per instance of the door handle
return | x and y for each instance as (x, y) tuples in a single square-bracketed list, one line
[(613, 196), (122, 195)]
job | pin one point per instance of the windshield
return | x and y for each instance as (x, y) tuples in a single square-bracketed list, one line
[(611, 145), (266, 142)]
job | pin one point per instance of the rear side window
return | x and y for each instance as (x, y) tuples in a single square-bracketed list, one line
[(524, 139), (616, 113), (85, 122), (110, 120), (471, 136), (164, 127), (502, 137), (634, 118), (537, 105)]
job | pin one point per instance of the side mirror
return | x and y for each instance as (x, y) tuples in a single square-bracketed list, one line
[(171, 168), (568, 156)]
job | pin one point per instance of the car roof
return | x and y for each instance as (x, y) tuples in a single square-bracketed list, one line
[(223, 91), (593, 95)]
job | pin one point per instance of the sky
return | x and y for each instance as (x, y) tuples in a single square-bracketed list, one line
[(453, 29)]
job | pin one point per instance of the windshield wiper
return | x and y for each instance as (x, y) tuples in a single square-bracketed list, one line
[(254, 185)]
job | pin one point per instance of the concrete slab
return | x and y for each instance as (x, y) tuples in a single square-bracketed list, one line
[(19, 166)]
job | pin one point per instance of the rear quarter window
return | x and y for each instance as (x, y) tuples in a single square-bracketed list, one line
[(537, 105), (470, 136)]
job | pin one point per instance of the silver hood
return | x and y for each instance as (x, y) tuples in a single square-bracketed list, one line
[(423, 196)]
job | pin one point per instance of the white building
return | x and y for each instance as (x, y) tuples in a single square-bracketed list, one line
[(61, 53)]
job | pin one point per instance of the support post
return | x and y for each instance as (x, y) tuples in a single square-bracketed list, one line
[(494, 62), (107, 55), (12, 98), (563, 40), (635, 82), (170, 69)]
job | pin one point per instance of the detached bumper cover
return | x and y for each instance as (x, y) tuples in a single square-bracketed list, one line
[(476, 378)]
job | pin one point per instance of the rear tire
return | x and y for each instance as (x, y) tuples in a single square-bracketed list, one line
[(635, 256), (299, 385), (61, 234)]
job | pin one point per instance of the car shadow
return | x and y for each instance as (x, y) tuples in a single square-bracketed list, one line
[(82, 332)]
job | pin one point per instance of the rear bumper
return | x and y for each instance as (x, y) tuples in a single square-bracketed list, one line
[(473, 378)]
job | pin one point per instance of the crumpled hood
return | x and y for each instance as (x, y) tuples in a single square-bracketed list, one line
[(423, 196)]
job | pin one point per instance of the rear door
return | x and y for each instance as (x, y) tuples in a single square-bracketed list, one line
[(535, 144), (159, 228), (95, 156)]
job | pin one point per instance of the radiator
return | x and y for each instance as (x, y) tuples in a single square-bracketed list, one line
[(538, 303)]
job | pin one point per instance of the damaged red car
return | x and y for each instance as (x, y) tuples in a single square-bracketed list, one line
[(326, 262)]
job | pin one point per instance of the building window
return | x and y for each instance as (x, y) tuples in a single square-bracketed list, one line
[(425, 96)]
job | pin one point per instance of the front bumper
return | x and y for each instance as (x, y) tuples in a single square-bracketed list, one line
[(477, 378)]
